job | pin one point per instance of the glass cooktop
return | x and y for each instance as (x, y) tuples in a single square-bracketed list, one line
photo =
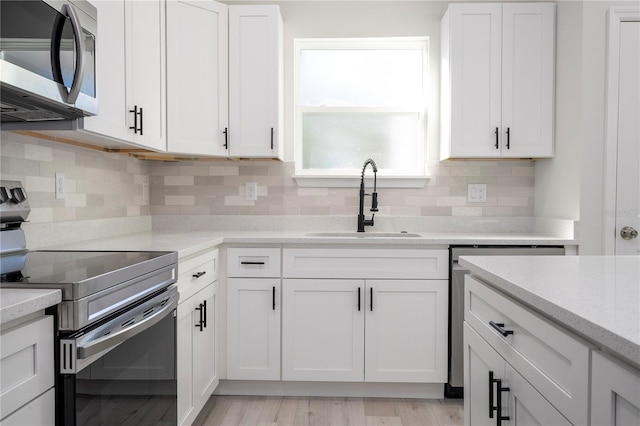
[(84, 271)]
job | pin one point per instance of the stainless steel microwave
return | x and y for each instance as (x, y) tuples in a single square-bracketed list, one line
[(47, 60)]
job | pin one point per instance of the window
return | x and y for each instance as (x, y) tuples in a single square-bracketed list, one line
[(360, 98)]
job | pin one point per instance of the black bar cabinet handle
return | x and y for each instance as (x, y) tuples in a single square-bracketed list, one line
[(371, 299), (499, 390), (491, 382), (251, 263), (498, 326), (135, 119), (272, 138), (359, 296), (199, 274), (497, 145), (508, 138), (200, 322), (141, 125), (204, 308), (226, 138), (273, 297)]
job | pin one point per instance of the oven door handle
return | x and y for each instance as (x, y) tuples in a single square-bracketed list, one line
[(114, 339)]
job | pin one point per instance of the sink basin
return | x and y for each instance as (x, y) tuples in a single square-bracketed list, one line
[(363, 234)]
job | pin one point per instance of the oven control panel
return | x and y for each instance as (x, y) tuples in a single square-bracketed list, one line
[(14, 203)]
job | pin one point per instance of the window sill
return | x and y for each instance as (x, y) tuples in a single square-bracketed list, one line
[(317, 181)]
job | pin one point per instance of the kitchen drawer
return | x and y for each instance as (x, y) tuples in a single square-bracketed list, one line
[(41, 411), (195, 273), (366, 263), (26, 363), (553, 360), (253, 262)]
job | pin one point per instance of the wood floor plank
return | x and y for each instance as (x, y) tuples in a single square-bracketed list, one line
[(383, 421), (449, 412), (347, 412), (302, 411), (379, 407), (415, 412), (319, 411), (293, 411)]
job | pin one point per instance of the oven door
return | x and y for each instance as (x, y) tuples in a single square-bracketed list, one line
[(122, 371)]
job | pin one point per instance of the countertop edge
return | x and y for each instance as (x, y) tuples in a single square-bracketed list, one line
[(18, 303), (602, 337)]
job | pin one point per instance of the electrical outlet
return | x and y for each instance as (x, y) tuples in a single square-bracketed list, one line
[(251, 191), (477, 193), (60, 186)]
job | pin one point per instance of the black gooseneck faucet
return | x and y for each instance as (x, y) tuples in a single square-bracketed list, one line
[(362, 222)]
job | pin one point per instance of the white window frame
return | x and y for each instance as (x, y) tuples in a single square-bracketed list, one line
[(351, 177)]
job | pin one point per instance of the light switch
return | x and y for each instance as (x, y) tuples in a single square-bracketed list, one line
[(477, 192)]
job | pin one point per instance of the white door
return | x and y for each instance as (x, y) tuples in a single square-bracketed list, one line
[(406, 331), (204, 346), (253, 329), (476, 37), (622, 167), (184, 366), (528, 52), (254, 79), (481, 363), (615, 393), (146, 76), (197, 62), (323, 330), (527, 406)]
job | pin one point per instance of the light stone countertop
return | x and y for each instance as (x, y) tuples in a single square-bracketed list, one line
[(190, 242), (598, 297), (17, 302)]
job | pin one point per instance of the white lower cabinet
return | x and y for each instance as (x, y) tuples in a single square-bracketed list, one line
[(364, 330), (615, 392), (493, 388), (27, 373), (197, 348), (323, 330), (253, 328)]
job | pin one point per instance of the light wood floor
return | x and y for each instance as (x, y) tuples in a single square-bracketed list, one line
[(301, 411)]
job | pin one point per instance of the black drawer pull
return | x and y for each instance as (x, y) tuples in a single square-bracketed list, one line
[(200, 323), (508, 138), (273, 297), (252, 263), (498, 326), (199, 274), (359, 299), (226, 138), (272, 138), (204, 308), (497, 145), (371, 299)]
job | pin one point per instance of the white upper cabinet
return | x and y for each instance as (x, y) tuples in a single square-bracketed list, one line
[(497, 76), (131, 73), (197, 64), (255, 82)]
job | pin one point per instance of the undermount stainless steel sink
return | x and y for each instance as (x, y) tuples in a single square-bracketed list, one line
[(363, 234)]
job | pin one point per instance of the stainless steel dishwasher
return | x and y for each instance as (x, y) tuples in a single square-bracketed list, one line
[(454, 388)]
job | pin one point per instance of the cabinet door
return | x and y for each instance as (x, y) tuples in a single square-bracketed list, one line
[(527, 406), (323, 330), (145, 60), (255, 75), (197, 60), (615, 392), (186, 332), (475, 61), (205, 356), (41, 411), (481, 363), (528, 53), (253, 329), (113, 115), (406, 331)]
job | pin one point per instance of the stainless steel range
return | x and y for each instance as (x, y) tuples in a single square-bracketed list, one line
[(115, 326)]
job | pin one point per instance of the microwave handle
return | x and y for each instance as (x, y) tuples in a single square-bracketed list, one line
[(67, 10)]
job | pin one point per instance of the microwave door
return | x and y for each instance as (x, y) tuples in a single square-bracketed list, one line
[(73, 54)]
